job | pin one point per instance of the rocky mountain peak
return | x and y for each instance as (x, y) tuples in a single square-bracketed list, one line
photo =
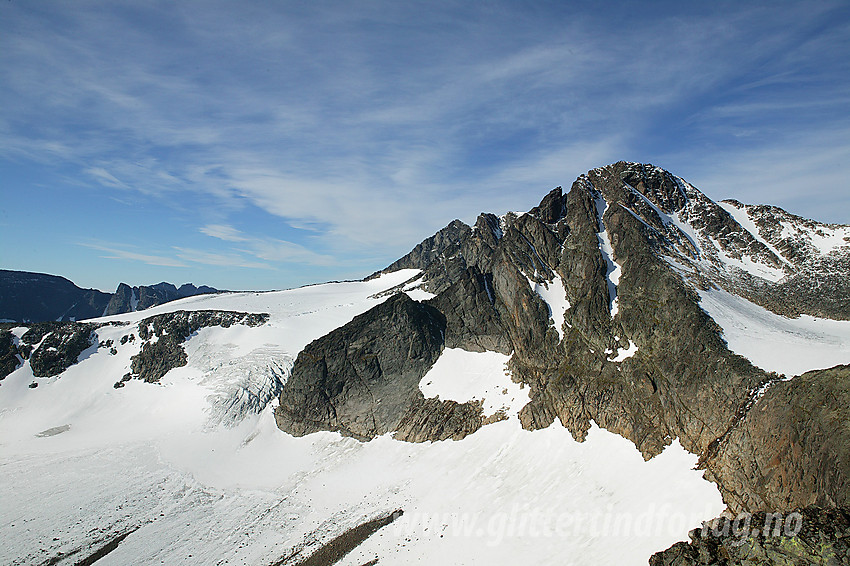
[(764, 253), (552, 208), (595, 295)]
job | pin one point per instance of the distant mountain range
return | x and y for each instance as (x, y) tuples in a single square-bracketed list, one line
[(38, 297)]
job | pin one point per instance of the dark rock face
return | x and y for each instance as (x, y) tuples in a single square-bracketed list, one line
[(442, 245), (9, 360), (811, 537), (362, 379), (60, 345), (432, 419), (122, 300), (163, 335), (35, 297), (815, 280), (683, 382), (157, 358), (473, 323), (791, 449)]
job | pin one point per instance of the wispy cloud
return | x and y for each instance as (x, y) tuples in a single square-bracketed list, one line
[(270, 249), (363, 128), (218, 259), (117, 253), (105, 177), (223, 232)]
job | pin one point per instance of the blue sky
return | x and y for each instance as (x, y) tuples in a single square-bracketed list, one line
[(265, 145)]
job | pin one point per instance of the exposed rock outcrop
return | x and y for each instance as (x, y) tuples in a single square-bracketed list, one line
[(163, 335), (37, 297), (131, 299), (809, 537), (791, 448), (9, 353), (472, 321), (817, 256), (630, 348), (683, 382), (53, 347), (433, 419), (362, 379), (59, 345)]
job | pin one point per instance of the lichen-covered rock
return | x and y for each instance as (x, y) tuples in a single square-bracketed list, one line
[(807, 537), (791, 448), (432, 419)]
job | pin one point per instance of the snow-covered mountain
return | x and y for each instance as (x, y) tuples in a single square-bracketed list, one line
[(579, 384)]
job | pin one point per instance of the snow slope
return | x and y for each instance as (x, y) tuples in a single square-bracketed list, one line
[(554, 294), (708, 251), (464, 376), (623, 354), (789, 346), (613, 270), (194, 471), (742, 217)]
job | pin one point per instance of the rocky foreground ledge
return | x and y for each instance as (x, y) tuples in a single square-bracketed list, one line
[(811, 536)]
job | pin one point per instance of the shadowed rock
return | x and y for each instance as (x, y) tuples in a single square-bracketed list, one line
[(363, 377), (9, 360), (60, 345)]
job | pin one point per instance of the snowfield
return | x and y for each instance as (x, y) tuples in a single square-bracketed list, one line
[(789, 346), (193, 470), (464, 376), (613, 270), (554, 294)]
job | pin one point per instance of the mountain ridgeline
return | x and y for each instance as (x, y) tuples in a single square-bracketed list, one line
[(39, 297), (130, 299), (630, 247)]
